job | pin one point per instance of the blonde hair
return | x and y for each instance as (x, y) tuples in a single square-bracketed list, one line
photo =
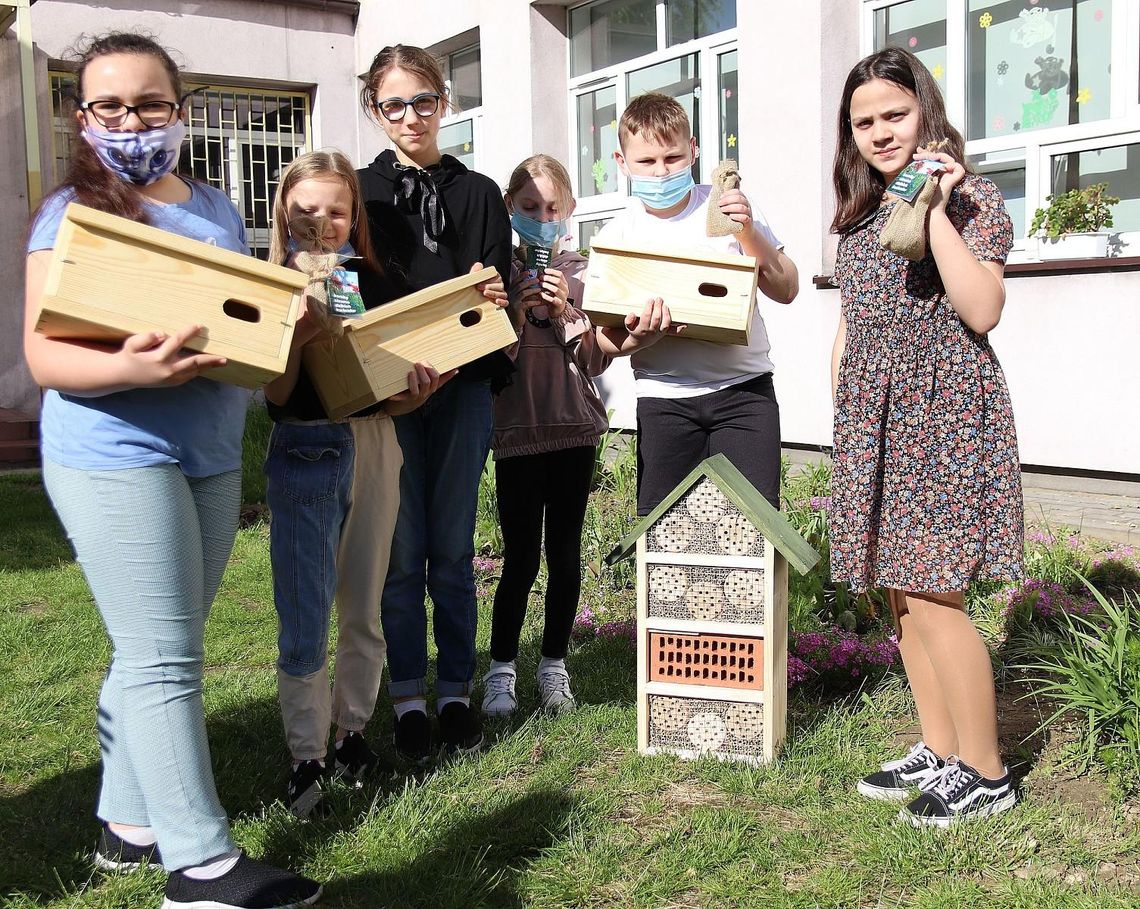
[(414, 60), (320, 165), (542, 166), (657, 115)]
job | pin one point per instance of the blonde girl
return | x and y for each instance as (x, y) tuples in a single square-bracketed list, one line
[(333, 491), (547, 426), (927, 486)]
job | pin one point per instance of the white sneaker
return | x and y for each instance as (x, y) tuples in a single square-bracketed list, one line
[(499, 696), (554, 689)]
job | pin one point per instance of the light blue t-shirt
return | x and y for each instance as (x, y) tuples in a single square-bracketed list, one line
[(197, 425)]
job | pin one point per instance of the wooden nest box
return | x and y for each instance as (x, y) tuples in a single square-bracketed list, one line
[(712, 618), (111, 277), (448, 325), (713, 294)]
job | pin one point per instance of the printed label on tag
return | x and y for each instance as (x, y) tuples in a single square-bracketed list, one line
[(537, 258), (908, 183), (343, 288)]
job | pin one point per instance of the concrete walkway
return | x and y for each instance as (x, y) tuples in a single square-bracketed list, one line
[(1102, 509)]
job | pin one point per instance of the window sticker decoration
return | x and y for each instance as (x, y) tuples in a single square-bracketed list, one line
[(1036, 27), (985, 20)]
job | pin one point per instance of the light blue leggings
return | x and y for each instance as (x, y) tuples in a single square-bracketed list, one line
[(153, 544)]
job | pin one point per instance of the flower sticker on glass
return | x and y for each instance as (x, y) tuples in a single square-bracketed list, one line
[(985, 20)]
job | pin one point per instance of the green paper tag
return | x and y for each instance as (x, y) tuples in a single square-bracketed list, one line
[(537, 258), (908, 183), (343, 289)]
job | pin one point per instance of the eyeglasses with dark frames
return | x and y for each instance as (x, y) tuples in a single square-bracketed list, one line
[(153, 114), (393, 109)]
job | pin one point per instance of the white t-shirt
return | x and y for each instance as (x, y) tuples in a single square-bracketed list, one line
[(680, 367)]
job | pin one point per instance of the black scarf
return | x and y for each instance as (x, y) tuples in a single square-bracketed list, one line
[(417, 189)]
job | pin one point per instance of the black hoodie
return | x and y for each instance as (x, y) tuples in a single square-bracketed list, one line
[(477, 229)]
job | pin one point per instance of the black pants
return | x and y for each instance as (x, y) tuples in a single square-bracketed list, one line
[(675, 434), (556, 483)]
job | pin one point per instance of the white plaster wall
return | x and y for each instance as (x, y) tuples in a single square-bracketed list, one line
[(243, 40)]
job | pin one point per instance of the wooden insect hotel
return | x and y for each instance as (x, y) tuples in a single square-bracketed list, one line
[(713, 294), (111, 277), (712, 618), (448, 324)]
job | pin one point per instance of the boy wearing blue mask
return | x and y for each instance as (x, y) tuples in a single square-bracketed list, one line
[(695, 398)]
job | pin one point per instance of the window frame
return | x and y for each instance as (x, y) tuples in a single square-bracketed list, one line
[(474, 114), (708, 49), (1040, 145)]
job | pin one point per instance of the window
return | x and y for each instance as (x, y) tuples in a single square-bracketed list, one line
[(621, 48), (1047, 94), (238, 140), (462, 73), (459, 128)]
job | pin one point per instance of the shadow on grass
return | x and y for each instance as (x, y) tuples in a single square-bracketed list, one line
[(49, 829), (31, 537), (476, 861)]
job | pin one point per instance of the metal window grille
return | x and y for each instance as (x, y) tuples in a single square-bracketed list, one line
[(238, 139)]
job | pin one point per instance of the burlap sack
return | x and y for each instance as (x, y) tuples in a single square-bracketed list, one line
[(725, 177), (905, 230), (316, 260)]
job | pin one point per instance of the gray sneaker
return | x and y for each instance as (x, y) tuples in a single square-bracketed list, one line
[(499, 697), (554, 692)]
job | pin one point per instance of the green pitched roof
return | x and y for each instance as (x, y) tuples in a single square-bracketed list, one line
[(741, 493)]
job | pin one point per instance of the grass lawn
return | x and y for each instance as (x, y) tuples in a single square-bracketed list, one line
[(556, 811)]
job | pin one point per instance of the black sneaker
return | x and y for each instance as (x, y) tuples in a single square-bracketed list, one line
[(305, 788), (895, 780), (460, 728), (248, 885), (353, 758), (117, 855), (412, 737), (959, 793)]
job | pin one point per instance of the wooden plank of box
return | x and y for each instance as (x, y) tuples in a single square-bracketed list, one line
[(111, 277), (448, 324), (711, 293)]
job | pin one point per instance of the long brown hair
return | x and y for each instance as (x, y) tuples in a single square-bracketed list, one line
[(858, 186), (92, 183), (414, 60), (321, 165)]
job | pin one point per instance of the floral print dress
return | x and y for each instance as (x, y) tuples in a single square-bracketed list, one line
[(926, 488)]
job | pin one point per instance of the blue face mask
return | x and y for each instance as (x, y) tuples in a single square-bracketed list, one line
[(538, 233), (662, 192)]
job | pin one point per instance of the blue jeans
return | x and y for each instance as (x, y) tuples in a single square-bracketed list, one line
[(445, 445), (153, 544), (333, 491), (308, 471)]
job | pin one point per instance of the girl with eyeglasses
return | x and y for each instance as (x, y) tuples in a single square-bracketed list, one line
[(432, 219), (142, 461)]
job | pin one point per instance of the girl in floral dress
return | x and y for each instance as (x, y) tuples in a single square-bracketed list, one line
[(927, 486)]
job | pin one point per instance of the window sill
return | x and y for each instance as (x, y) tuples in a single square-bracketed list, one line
[(1036, 269)]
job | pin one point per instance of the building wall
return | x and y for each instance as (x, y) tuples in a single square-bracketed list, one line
[(1067, 343), (247, 42)]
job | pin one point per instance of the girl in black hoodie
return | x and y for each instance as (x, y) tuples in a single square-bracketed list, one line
[(432, 219)]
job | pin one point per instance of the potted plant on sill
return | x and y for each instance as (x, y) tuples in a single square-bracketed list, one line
[(1072, 227)]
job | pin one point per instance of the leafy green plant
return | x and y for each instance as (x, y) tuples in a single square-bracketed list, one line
[(1093, 671), (1077, 211), (488, 533)]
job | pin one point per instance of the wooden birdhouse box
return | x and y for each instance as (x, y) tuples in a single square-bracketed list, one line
[(111, 277), (448, 324), (712, 294), (712, 618)]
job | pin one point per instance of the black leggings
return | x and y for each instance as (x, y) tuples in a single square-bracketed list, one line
[(557, 483)]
